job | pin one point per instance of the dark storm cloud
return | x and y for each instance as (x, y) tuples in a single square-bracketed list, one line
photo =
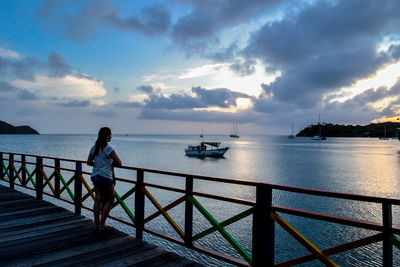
[(153, 20), (74, 104), (202, 98), (243, 68), (394, 51), (220, 97), (360, 105), (317, 58), (84, 23), (208, 17), (26, 95), (57, 65)]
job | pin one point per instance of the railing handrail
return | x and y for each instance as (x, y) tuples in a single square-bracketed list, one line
[(263, 210), (300, 190)]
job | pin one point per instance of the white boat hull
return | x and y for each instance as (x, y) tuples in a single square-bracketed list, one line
[(318, 138), (219, 152)]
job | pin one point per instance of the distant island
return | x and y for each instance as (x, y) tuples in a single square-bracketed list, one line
[(341, 130), (6, 128)]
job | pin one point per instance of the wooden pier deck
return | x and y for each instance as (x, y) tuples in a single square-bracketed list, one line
[(35, 232)]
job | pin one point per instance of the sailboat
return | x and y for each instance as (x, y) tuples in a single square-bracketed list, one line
[(201, 134), (291, 136), (235, 131), (319, 137), (384, 137)]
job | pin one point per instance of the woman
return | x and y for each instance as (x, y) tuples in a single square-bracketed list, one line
[(103, 157)]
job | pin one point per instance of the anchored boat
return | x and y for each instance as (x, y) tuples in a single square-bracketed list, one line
[(203, 151)]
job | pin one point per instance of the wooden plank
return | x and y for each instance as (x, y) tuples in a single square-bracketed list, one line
[(34, 219), (103, 256), (75, 251), (34, 232), (39, 227)]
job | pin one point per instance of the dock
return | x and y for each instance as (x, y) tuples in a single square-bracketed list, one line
[(36, 232)]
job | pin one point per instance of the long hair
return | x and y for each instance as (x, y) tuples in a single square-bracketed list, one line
[(101, 141)]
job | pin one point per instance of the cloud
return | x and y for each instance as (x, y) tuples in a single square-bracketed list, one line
[(196, 30), (201, 98), (318, 58), (26, 95), (75, 104), (8, 53), (68, 86), (25, 68), (7, 87), (153, 20), (244, 68), (84, 22), (148, 89), (125, 104), (57, 65)]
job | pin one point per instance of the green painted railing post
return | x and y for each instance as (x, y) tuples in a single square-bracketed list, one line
[(78, 189), (23, 172), (188, 212), (39, 178), (387, 226), (139, 205), (11, 170), (56, 178), (263, 228), (1, 165)]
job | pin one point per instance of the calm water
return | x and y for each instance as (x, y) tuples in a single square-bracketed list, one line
[(353, 165)]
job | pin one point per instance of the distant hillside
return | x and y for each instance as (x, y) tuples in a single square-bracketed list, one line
[(337, 130), (6, 128)]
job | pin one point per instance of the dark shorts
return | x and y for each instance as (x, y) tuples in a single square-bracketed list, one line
[(101, 181)]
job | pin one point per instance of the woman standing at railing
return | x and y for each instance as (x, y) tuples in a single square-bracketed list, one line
[(102, 157)]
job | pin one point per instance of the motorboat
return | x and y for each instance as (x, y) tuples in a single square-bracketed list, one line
[(206, 149)]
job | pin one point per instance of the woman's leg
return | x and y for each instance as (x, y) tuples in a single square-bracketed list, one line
[(96, 206), (108, 194)]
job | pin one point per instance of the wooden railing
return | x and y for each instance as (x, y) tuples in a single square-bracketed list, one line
[(47, 176)]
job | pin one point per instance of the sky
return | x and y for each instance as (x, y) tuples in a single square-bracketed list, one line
[(179, 66)]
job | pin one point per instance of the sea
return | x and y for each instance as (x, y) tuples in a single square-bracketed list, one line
[(366, 166)]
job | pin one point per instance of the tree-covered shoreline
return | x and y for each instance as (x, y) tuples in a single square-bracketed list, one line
[(341, 130), (6, 128)]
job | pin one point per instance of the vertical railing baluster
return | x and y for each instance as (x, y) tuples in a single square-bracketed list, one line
[(188, 212), (39, 178), (56, 178), (11, 170), (139, 205), (387, 226), (263, 228), (78, 189), (1, 165), (23, 172)]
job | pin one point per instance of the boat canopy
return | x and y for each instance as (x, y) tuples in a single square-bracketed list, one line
[(216, 144)]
